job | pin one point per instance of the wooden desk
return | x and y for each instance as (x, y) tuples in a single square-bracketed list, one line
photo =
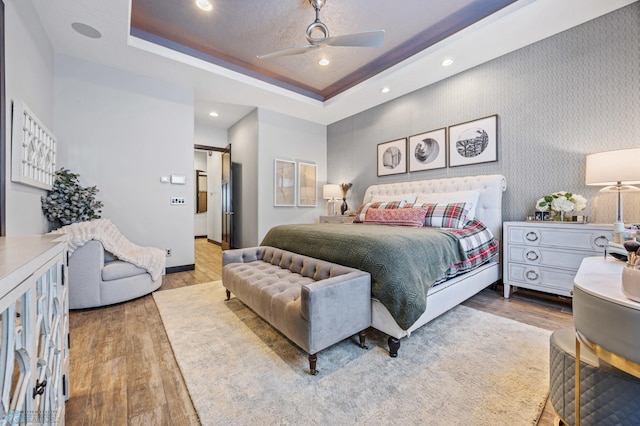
[(605, 319)]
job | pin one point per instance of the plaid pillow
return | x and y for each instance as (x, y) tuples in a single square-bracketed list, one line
[(361, 214), (400, 217), (452, 215)]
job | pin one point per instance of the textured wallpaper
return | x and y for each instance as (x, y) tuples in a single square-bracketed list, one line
[(558, 100)]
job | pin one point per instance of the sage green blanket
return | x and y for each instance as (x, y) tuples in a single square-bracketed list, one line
[(403, 261)]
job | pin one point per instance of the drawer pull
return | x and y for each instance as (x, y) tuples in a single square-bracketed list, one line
[(531, 275), (531, 236), (532, 255), (601, 241)]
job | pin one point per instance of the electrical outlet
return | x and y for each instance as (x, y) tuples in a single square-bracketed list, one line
[(168, 252), (177, 201)]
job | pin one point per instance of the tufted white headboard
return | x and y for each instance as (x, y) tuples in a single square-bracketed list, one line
[(488, 210)]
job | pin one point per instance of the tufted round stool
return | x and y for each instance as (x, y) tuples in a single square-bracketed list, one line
[(608, 396)]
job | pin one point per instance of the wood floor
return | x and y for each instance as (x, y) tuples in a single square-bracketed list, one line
[(122, 368)]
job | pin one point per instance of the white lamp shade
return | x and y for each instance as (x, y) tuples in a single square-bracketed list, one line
[(611, 167), (331, 190)]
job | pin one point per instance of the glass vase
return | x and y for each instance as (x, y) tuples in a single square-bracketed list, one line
[(558, 216)]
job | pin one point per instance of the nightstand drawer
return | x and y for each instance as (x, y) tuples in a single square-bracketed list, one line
[(544, 256), (561, 237), (558, 281)]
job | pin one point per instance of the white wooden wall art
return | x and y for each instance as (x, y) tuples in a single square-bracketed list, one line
[(33, 149)]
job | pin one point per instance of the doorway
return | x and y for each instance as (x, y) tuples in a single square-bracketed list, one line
[(213, 218), (207, 210)]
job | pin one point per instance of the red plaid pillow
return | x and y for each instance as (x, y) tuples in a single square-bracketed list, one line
[(401, 217), (452, 215), (361, 214)]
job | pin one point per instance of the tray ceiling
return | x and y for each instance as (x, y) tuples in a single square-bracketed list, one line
[(233, 33)]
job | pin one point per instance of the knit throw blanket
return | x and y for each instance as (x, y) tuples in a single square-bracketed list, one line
[(149, 258)]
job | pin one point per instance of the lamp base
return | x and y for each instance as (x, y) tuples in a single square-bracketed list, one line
[(618, 229), (332, 209)]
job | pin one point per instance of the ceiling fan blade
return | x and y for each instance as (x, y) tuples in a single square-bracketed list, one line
[(364, 39), (289, 51)]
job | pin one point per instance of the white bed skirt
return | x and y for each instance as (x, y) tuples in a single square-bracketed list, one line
[(440, 299)]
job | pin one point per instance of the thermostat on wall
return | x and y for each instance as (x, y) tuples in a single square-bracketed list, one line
[(178, 179)]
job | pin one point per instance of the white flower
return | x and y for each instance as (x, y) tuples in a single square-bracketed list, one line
[(561, 204), (581, 202), (561, 201)]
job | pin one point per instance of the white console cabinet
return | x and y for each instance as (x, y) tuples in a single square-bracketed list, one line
[(545, 256), (34, 330)]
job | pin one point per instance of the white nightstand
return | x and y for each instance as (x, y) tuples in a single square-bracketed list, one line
[(336, 219), (545, 256)]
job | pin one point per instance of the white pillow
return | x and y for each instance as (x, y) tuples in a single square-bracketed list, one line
[(470, 197), (403, 198)]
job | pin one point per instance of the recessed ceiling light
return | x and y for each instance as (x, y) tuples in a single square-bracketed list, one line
[(385, 90), (214, 114), (446, 62), (324, 62), (204, 5), (86, 30)]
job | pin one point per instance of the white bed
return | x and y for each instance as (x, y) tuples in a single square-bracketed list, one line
[(450, 293)]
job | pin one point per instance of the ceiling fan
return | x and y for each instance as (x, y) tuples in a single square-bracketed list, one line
[(363, 39)]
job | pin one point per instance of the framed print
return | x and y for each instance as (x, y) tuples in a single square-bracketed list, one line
[(285, 183), (392, 157), (428, 150), (474, 142), (307, 191)]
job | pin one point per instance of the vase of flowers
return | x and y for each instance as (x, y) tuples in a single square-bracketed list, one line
[(561, 203), (345, 189)]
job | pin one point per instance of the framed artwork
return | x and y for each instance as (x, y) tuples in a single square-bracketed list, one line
[(285, 183), (428, 150), (307, 188), (474, 142), (392, 157)]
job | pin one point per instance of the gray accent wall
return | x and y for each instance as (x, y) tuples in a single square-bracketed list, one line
[(558, 100)]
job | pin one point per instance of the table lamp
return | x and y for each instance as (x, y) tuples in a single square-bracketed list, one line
[(331, 192), (618, 170)]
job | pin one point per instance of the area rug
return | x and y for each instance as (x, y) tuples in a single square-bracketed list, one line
[(466, 367)]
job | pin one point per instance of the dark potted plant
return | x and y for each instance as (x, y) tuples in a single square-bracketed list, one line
[(67, 202)]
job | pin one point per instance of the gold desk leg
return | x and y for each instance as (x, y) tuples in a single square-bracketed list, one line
[(577, 387)]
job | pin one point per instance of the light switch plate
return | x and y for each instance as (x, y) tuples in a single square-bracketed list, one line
[(164, 179), (178, 179)]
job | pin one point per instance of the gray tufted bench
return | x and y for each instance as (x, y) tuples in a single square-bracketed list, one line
[(312, 302)]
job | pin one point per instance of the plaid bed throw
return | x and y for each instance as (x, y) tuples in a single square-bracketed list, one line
[(479, 245)]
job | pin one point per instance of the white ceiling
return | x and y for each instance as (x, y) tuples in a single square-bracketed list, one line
[(234, 95)]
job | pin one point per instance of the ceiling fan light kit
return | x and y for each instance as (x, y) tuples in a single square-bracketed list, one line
[(373, 38), (205, 5)]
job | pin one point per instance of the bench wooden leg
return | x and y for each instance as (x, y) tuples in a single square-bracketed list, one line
[(363, 337), (394, 345), (228, 295), (312, 363)]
